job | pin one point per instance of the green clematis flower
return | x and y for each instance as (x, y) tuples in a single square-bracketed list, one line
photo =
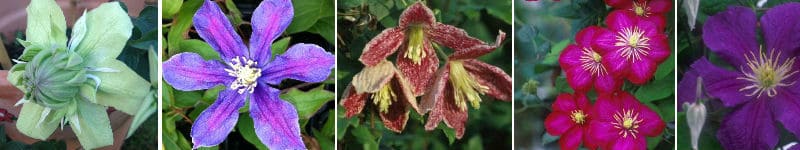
[(74, 82)]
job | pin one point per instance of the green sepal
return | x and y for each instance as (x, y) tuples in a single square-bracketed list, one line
[(28, 119), (102, 33), (124, 89), (46, 24), (15, 76), (147, 109), (91, 125)]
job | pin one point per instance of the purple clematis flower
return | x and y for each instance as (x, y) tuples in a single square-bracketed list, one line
[(247, 72), (763, 89)]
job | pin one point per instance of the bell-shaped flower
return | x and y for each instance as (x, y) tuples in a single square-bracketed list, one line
[(387, 89)]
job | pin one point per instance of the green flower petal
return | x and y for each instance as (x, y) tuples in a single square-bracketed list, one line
[(102, 33), (46, 23), (91, 125), (124, 90), (28, 122)]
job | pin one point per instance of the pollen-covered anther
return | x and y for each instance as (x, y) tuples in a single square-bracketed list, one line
[(641, 8), (465, 87), (633, 42), (246, 74), (591, 61), (384, 98), (767, 73), (416, 39), (578, 117), (628, 122)]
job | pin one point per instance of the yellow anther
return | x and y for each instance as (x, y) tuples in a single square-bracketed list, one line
[(416, 40), (383, 98), (465, 87), (578, 116)]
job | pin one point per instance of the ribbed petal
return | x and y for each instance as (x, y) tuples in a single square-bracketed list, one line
[(660, 6), (781, 33), (749, 127), (417, 14), (420, 75), (604, 41), (687, 88), (353, 102), (620, 19), (641, 71), (382, 45), (372, 79), (579, 79), (601, 132), (722, 83), (498, 82), (189, 72), (217, 31), (572, 139), (731, 34), (275, 121), (304, 62), (465, 46), (446, 109), (586, 36), (785, 108), (607, 83), (570, 57), (558, 123), (269, 20), (217, 121), (436, 91), (629, 143), (618, 3), (568, 103)]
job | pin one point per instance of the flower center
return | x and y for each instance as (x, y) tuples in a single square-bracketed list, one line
[(591, 62), (633, 42), (465, 88), (578, 116), (641, 9), (767, 73), (246, 74), (416, 39), (383, 98), (628, 122)]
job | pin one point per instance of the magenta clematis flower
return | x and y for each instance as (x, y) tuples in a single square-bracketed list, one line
[(583, 65), (647, 10), (633, 48), (388, 90), (247, 73), (570, 120), (462, 80), (763, 89), (417, 59), (620, 121)]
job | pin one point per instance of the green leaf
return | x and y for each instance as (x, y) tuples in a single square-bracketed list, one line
[(101, 33), (667, 110), (342, 124), (450, 133), (246, 129), (652, 142), (280, 46), (500, 10), (197, 46), (475, 143), (307, 103), (187, 98), (555, 52), (148, 108), (547, 138), (170, 8), (655, 90), (211, 94), (665, 69), (307, 12), (91, 126), (234, 15), (323, 28), (46, 23), (123, 90), (28, 122), (181, 24), (363, 135)]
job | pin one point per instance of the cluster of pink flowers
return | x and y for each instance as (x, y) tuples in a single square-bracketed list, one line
[(630, 47)]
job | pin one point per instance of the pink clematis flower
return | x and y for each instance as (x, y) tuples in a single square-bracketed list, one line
[(633, 48), (583, 65), (647, 10), (570, 120), (462, 80), (620, 121), (388, 90), (417, 59)]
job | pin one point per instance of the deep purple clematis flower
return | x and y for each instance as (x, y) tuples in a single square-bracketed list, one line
[(247, 72), (763, 88)]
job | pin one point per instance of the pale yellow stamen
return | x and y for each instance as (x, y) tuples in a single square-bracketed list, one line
[(628, 122), (465, 87), (633, 42), (641, 9), (578, 116), (383, 98), (767, 74), (416, 39), (246, 74), (590, 61)]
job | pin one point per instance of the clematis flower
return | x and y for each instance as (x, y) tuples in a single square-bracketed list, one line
[(646, 10), (570, 120), (583, 65), (633, 48), (620, 121), (247, 73), (389, 91), (417, 59), (463, 80), (74, 82), (763, 89)]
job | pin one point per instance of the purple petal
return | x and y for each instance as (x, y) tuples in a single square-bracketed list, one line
[(732, 34), (270, 19), (749, 127), (687, 88), (217, 121), (786, 108), (189, 72), (304, 62), (780, 32), (275, 120), (721, 83), (217, 31)]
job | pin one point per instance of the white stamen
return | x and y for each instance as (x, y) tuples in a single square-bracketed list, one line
[(633, 42), (246, 73)]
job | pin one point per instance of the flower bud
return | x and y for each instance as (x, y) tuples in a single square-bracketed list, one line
[(54, 77)]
